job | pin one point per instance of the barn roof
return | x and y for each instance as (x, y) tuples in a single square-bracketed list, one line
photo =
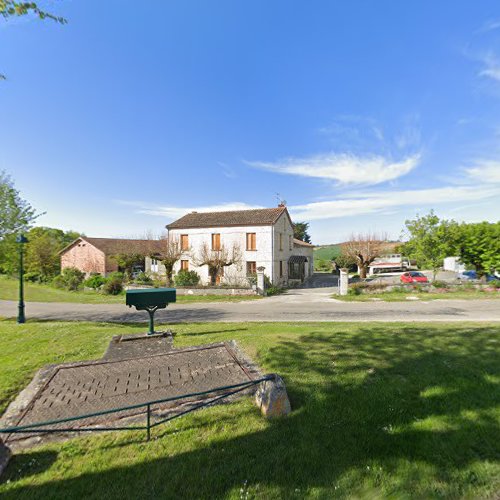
[(113, 246)]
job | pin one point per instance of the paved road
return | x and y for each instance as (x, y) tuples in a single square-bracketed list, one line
[(297, 305)]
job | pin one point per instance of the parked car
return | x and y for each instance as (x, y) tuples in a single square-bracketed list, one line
[(472, 275), (413, 277)]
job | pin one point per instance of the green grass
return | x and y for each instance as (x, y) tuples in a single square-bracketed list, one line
[(401, 296), (35, 292), (379, 410)]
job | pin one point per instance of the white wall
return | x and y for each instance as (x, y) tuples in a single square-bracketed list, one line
[(229, 236)]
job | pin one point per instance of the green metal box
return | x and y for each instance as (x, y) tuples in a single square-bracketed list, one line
[(150, 297)]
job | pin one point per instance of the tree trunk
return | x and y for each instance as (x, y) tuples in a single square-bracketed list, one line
[(362, 271), (213, 271)]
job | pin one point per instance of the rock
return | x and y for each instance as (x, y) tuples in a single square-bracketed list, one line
[(272, 399), (5, 455)]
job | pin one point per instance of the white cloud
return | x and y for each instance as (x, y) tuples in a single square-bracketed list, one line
[(487, 171), (344, 168), (491, 67), (172, 212), (375, 202)]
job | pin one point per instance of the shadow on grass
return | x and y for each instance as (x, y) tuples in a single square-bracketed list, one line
[(417, 402)]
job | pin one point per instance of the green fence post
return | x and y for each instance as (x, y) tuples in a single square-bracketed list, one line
[(149, 422)]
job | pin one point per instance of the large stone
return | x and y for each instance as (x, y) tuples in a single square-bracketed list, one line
[(272, 399), (5, 454)]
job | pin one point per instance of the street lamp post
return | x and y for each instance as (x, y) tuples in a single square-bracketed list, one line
[(21, 239)]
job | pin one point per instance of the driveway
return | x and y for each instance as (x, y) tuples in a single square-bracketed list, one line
[(310, 304)]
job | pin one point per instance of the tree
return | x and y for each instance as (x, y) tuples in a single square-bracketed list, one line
[(168, 251), (13, 8), (300, 231), (479, 246), (16, 214), (363, 249), (431, 240), (217, 260), (126, 261), (345, 261)]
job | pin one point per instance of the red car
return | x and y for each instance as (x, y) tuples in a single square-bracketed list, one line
[(414, 277)]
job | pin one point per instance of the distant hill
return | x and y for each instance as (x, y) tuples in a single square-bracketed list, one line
[(330, 252), (327, 252)]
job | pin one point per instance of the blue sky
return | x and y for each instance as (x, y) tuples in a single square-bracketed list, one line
[(360, 114)]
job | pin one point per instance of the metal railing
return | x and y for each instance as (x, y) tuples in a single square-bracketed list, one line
[(40, 427)]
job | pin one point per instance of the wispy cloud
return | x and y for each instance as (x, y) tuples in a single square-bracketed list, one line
[(376, 202), (491, 66), (174, 212), (487, 171), (346, 169)]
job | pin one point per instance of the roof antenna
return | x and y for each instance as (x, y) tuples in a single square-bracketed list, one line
[(281, 202)]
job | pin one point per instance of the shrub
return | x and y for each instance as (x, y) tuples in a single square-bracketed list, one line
[(95, 281), (274, 290), (354, 290), (70, 279), (494, 284), (186, 278), (143, 279), (113, 286), (118, 275), (33, 277), (440, 284)]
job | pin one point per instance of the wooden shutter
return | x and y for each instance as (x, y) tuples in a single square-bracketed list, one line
[(251, 241), (184, 242), (216, 241)]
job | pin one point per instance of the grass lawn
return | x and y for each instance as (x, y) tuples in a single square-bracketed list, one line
[(35, 292), (401, 296), (384, 410)]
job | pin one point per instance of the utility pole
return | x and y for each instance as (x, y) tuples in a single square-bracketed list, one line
[(21, 239)]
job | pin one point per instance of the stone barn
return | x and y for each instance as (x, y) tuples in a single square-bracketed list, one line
[(95, 255)]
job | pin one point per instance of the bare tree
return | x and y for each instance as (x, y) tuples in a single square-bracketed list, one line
[(167, 249), (364, 249), (217, 260)]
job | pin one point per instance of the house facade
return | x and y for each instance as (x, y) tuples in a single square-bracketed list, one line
[(263, 237), (95, 255)]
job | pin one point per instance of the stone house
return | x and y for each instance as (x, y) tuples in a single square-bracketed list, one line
[(95, 255), (264, 237)]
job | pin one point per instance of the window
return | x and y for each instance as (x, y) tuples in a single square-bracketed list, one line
[(184, 242), (154, 265), (251, 241), (216, 241), (184, 265), (281, 269), (251, 268), (290, 243), (281, 241)]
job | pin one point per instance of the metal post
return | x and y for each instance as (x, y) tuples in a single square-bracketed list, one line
[(21, 239), (149, 422), (151, 321)]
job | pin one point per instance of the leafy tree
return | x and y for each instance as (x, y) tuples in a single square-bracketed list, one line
[(345, 261), (14, 8), (127, 262), (431, 240), (300, 231), (479, 246), (16, 214)]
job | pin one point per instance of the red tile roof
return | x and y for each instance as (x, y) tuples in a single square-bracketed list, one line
[(256, 217)]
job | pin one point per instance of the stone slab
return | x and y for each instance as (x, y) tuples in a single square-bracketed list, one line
[(82, 388)]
